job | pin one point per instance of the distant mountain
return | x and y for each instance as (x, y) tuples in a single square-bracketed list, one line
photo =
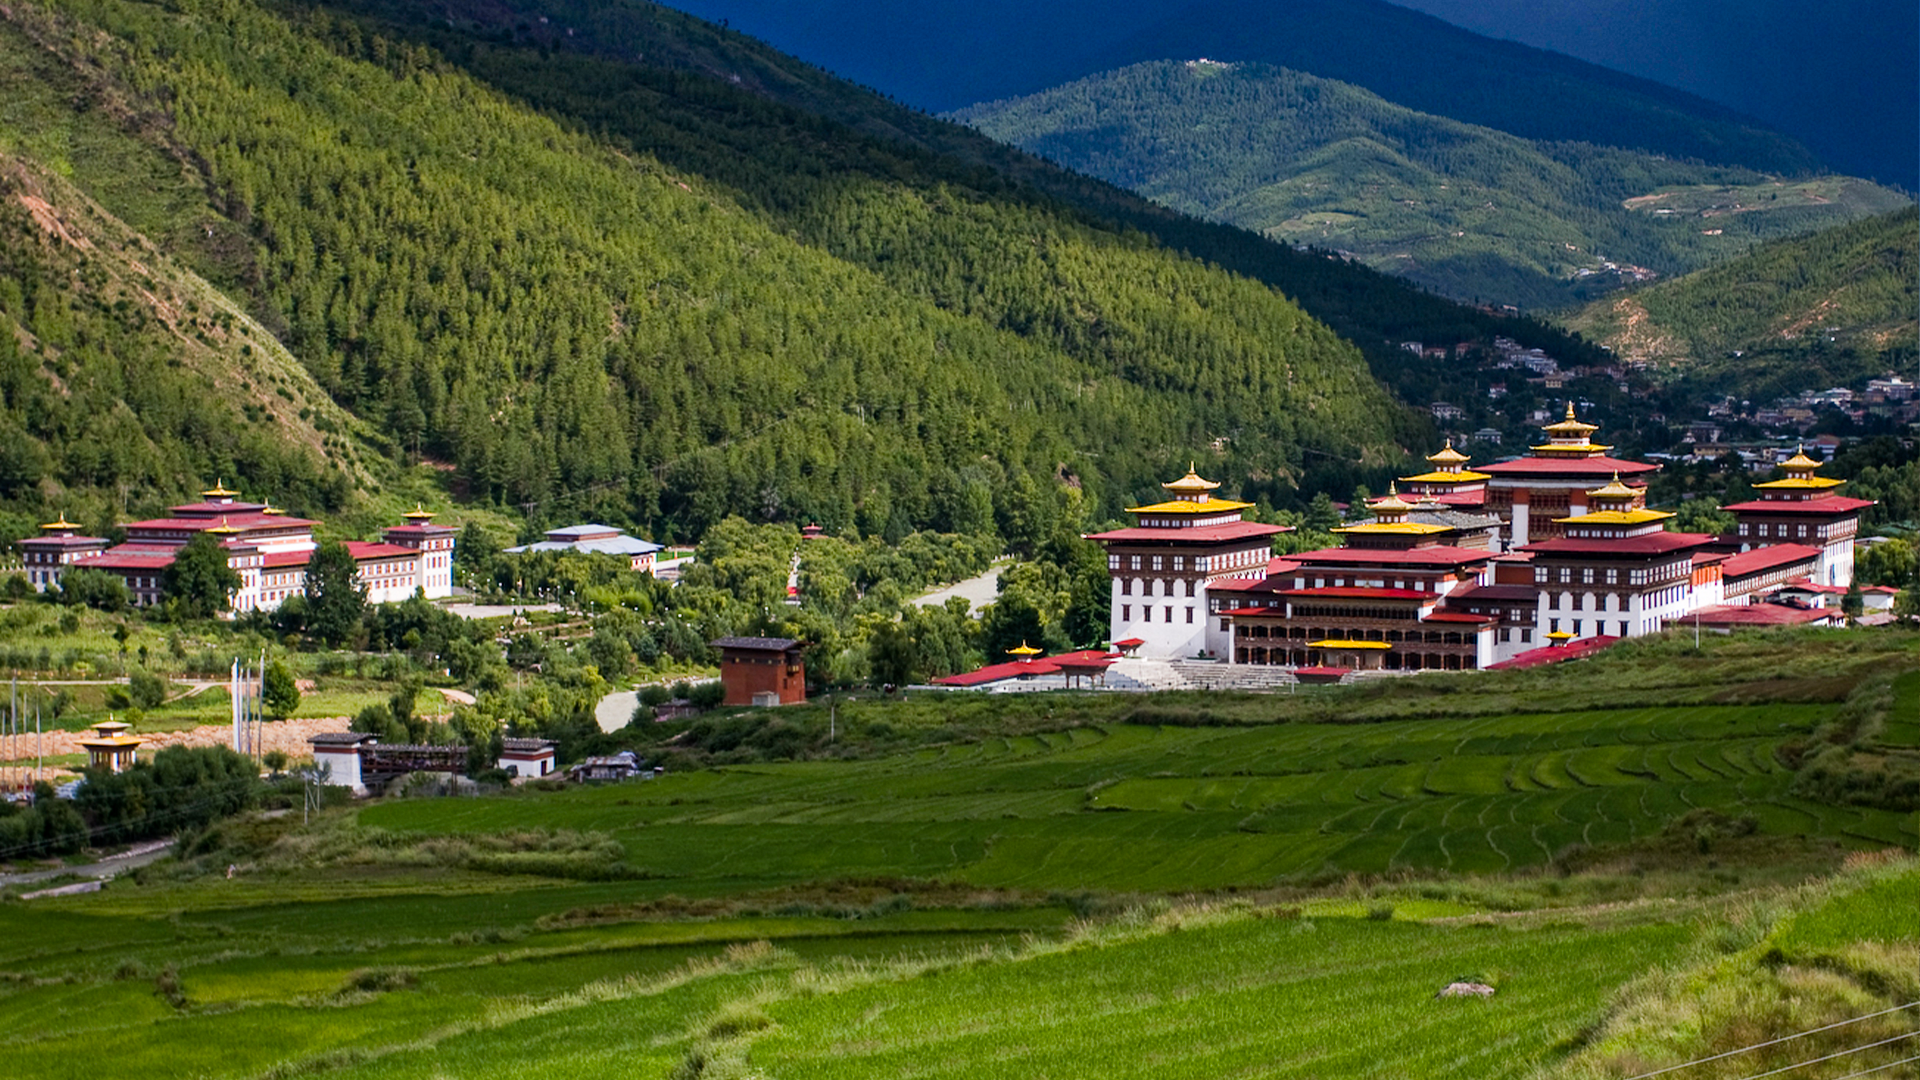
[(588, 286), (1466, 211), (947, 54), (1843, 81), (1807, 312)]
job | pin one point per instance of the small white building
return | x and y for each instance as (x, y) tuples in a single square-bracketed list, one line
[(528, 758), (337, 754)]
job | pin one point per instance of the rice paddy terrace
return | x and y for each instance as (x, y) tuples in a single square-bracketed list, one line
[(1642, 880)]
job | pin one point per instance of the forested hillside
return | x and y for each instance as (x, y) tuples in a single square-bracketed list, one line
[(990, 49), (1467, 211), (1802, 313), (580, 319)]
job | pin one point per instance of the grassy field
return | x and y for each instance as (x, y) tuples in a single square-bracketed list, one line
[(983, 887)]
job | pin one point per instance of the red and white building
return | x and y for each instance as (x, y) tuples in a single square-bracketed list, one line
[(1806, 510), (1166, 565), (267, 547), (1535, 495)]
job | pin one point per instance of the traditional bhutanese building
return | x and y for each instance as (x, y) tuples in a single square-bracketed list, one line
[(59, 543), (1803, 509), (1615, 571), (1378, 602), (267, 547), (434, 543), (1536, 495), (1449, 482), (1165, 564)]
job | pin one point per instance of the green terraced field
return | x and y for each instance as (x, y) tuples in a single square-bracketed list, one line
[(1168, 809)]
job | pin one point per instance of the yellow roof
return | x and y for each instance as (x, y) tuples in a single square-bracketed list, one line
[(219, 491), (418, 513), (225, 528), (1447, 477), (63, 523), (1393, 501), (1558, 635), (111, 727), (1023, 649), (1190, 484), (109, 742), (1613, 489), (1343, 643), (1400, 528), (1800, 460), (1447, 455), (1184, 506), (1807, 482), (1616, 517)]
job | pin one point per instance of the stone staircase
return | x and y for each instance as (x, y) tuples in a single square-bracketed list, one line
[(1205, 675), (1139, 674)]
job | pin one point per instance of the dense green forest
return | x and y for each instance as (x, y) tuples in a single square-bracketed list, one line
[(992, 49), (586, 325), (1809, 312), (1467, 211), (698, 96)]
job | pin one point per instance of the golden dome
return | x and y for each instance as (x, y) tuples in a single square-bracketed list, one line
[(1191, 484), (219, 491), (1447, 455)]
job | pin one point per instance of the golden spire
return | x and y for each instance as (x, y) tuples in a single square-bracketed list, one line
[(225, 527), (1800, 462), (418, 514), (1613, 489), (63, 523), (1191, 486), (1447, 455), (1393, 503), (218, 491), (1023, 650)]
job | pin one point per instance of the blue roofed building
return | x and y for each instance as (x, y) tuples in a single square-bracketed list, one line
[(597, 540)]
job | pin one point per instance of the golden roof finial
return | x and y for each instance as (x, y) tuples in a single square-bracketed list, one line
[(218, 490), (63, 523), (1023, 650), (418, 514), (225, 527), (1570, 410)]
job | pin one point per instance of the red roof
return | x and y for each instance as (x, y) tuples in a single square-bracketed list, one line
[(1083, 660), (63, 541), (1477, 497), (1831, 504), (216, 509), (130, 557), (1659, 543), (992, 673), (418, 530), (241, 520), (1129, 643), (1759, 615), (1602, 467), (1356, 592), (1554, 654), (1199, 534), (1433, 556), (1281, 564), (367, 552), (1276, 612), (1768, 558), (1321, 674), (274, 560)]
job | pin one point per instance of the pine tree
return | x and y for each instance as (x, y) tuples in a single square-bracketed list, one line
[(335, 600), (199, 582)]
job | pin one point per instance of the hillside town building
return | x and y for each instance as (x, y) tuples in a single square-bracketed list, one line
[(596, 540), (267, 547)]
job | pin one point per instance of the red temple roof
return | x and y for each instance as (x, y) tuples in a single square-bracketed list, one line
[(1554, 654), (1359, 592), (1829, 504), (1768, 558), (1658, 543), (1199, 534), (1435, 555), (367, 552), (1587, 466)]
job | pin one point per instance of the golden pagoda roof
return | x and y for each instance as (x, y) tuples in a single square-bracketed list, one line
[(1346, 643), (1588, 447), (1571, 425), (111, 727), (1800, 469), (225, 528), (1023, 649), (1191, 484), (418, 513), (1616, 517), (1447, 455), (1401, 528), (1393, 501), (1613, 489), (1187, 506), (1559, 635), (219, 491), (63, 523)]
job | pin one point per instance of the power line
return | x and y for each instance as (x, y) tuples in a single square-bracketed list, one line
[(1879, 1068), (1830, 1057), (1774, 1042)]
